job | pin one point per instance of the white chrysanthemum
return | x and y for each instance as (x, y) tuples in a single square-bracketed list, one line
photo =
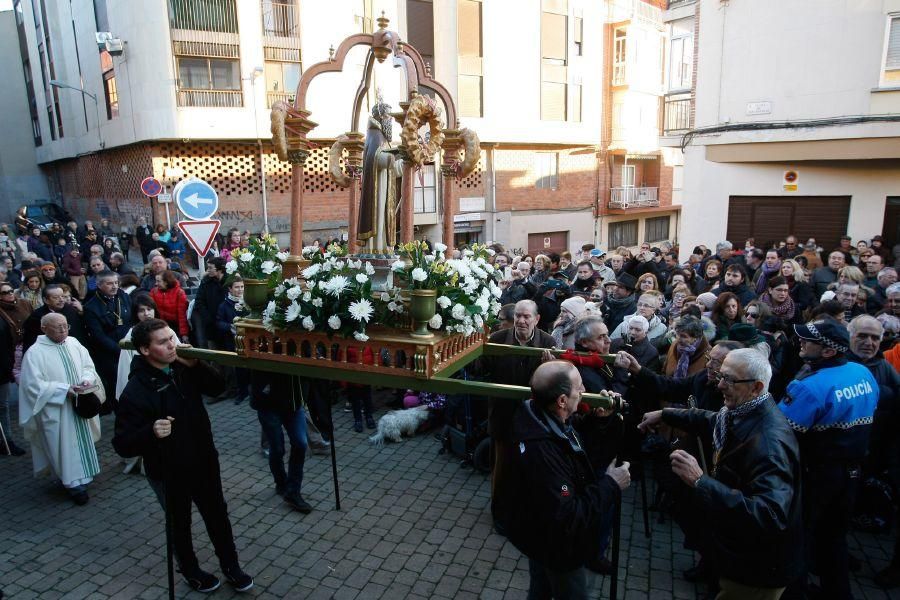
[(334, 322), (308, 323), (317, 302), (398, 265), (336, 285), (361, 278), (231, 267), (246, 257), (385, 297), (361, 310), (311, 271), (439, 247), (294, 293), (292, 313), (444, 301), (419, 274), (458, 312), (435, 322), (360, 336), (282, 256), (370, 270)]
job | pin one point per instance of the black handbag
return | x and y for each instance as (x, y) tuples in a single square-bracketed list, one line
[(86, 405)]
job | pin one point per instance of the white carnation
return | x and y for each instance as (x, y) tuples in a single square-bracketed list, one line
[(307, 296), (282, 256), (334, 322), (385, 297), (311, 271), (435, 322), (479, 322), (308, 323), (360, 336), (270, 309), (317, 302), (458, 312), (398, 265), (231, 267), (246, 257), (279, 290), (444, 301), (361, 278), (439, 247), (419, 274), (268, 267), (294, 293), (370, 270), (482, 303)]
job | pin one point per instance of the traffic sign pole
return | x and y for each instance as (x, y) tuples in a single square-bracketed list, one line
[(168, 218)]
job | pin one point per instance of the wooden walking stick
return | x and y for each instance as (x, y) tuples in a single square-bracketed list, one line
[(616, 538)]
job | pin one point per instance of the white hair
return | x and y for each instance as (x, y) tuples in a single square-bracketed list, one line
[(894, 288), (859, 320), (755, 365), (640, 320), (726, 245)]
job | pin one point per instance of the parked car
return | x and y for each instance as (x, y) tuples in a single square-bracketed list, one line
[(42, 216)]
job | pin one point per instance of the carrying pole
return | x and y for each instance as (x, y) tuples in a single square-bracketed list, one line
[(616, 538)]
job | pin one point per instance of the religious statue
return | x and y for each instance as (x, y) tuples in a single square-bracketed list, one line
[(380, 198)]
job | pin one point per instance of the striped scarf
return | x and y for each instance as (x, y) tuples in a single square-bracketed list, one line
[(726, 417), (86, 451)]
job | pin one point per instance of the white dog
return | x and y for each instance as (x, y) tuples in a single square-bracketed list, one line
[(397, 423)]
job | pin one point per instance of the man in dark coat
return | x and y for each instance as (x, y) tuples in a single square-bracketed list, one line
[(107, 317), (749, 499), (556, 503), (54, 301), (161, 417), (511, 369), (622, 301), (210, 296), (735, 281), (144, 235)]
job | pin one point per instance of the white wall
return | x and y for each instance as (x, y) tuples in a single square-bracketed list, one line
[(21, 181), (709, 185), (512, 229)]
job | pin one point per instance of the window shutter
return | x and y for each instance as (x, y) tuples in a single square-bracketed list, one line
[(469, 27), (420, 26), (893, 53), (553, 36)]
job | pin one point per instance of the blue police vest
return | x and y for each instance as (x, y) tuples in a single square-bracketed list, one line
[(832, 410)]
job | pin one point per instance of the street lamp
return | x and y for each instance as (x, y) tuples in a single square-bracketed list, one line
[(59, 84)]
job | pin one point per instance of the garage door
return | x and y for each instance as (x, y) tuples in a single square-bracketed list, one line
[(770, 219)]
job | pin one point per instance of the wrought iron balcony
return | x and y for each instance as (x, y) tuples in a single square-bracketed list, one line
[(279, 19), (677, 114), (633, 197), (218, 16)]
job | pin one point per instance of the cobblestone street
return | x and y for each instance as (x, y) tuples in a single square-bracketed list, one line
[(413, 524)]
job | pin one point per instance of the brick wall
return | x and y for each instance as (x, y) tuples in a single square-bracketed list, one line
[(516, 180)]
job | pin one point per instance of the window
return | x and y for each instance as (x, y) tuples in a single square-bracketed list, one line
[(204, 15), (208, 74), (681, 55), (425, 191), (546, 170), (579, 36), (623, 233), (282, 77), (110, 91), (469, 38), (628, 176), (420, 28), (554, 60), (656, 229), (891, 75), (619, 55)]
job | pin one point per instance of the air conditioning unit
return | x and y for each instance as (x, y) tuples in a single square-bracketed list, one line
[(102, 37), (115, 46)]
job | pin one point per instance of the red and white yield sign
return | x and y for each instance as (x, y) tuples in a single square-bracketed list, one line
[(200, 234), (151, 187)]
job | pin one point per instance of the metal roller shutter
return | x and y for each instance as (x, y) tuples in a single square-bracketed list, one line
[(770, 219)]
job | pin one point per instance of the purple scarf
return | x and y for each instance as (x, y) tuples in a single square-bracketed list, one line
[(785, 310), (684, 358), (765, 273)]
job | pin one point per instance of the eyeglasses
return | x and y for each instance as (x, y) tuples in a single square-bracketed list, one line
[(730, 381), (751, 314), (6, 292)]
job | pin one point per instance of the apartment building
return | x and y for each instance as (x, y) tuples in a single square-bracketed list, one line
[(175, 88), (799, 133)]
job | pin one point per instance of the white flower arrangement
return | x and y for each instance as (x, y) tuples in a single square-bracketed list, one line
[(262, 259)]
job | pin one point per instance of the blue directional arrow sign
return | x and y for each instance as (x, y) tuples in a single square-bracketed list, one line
[(196, 199)]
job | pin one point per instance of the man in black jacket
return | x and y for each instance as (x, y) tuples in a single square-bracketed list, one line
[(161, 417), (557, 503), (752, 511), (107, 316), (210, 296)]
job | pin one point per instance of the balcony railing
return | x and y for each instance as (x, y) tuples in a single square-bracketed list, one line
[(634, 10), (211, 98), (273, 97), (677, 114), (633, 197), (279, 19), (204, 15), (677, 3)]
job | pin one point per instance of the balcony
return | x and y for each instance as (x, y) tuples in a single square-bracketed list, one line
[(634, 10), (279, 19), (678, 3), (273, 97), (677, 114), (211, 98), (633, 197)]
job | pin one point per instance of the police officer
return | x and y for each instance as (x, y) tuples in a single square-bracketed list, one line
[(830, 406)]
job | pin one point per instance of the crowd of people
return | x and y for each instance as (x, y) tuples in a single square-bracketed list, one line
[(761, 384)]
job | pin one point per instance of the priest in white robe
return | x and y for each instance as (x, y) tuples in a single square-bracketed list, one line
[(54, 370)]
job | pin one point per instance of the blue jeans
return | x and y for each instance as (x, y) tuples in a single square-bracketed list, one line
[(547, 584), (294, 422)]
